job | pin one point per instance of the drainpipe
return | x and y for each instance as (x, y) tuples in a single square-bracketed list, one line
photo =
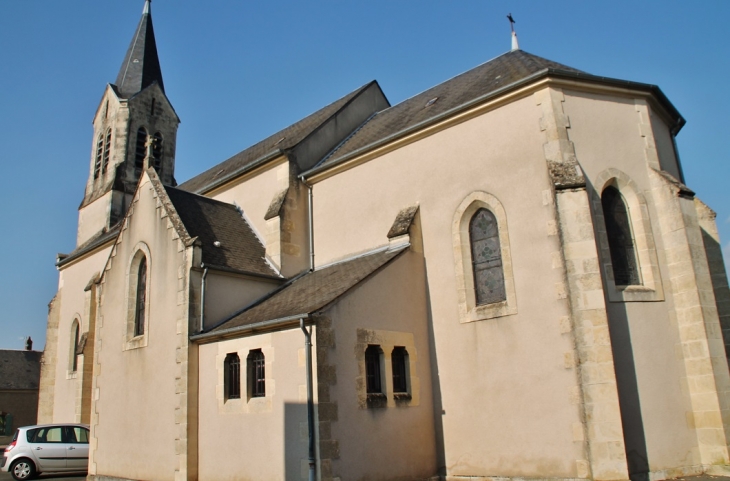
[(310, 399), (311, 223), (202, 297)]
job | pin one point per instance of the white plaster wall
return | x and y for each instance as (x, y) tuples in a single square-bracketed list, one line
[(254, 194), (93, 218), (504, 386), (72, 281), (396, 442), (136, 398), (226, 294), (605, 131), (264, 438)]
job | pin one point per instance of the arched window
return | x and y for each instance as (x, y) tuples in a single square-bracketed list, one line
[(486, 258), (373, 380), (399, 359), (98, 156), (140, 305), (620, 238), (157, 152), (256, 366), (152, 107), (75, 335), (232, 373), (140, 150)]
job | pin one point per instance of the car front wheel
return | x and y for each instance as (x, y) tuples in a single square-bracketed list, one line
[(22, 469)]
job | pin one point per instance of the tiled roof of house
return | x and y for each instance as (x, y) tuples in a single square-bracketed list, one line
[(478, 82), (214, 221), (270, 147), (312, 291), (20, 369)]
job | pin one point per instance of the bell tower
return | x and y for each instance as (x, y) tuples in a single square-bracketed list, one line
[(135, 127)]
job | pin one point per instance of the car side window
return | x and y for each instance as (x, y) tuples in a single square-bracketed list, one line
[(78, 435), (47, 435)]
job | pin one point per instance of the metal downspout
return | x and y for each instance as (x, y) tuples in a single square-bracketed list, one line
[(311, 223), (310, 399), (202, 297)]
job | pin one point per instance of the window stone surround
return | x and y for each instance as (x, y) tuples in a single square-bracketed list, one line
[(131, 341), (242, 347), (469, 311), (651, 289)]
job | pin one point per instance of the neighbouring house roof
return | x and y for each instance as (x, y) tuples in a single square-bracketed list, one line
[(141, 66), (492, 78), (20, 369), (214, 221), (312, 291), (270, 147)]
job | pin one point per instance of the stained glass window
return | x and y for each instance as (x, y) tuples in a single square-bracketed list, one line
[(486, 258), (620, 239), (139, 313)]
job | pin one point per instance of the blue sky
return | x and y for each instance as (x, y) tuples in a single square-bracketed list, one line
[(238, 71)]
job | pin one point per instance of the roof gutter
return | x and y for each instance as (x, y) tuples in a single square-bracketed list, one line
[(273, 324), (231, 270), (496, 93)]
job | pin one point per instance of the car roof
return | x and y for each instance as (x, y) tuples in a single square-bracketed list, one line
[(54, 425)]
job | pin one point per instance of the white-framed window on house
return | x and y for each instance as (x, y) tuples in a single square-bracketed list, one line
[(138, 298), (483, 262), (625, 240)]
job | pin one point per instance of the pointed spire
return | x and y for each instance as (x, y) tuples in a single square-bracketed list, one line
[(141, 66)]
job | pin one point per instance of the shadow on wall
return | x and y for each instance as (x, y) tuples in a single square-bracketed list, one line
[(720, 288), (628, 391), (295, 441), (438, 409)]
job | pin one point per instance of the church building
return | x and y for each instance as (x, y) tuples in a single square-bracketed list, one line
[(504, 276)]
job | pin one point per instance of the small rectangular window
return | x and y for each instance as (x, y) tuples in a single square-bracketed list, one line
[(256, 365), (232, 373), (400, 369), (372, 370)]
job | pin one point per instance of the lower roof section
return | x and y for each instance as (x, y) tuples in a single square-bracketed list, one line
[(303, 295)]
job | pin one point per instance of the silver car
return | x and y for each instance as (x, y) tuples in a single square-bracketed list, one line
[(47, 448)]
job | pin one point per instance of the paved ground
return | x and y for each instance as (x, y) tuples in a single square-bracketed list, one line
[(48, 477)]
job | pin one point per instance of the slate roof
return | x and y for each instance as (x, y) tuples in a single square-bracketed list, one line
[(312, 291), (97, 240), (141, 66), (210, 221), (20, 369), (268, 148), (489, 77)]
